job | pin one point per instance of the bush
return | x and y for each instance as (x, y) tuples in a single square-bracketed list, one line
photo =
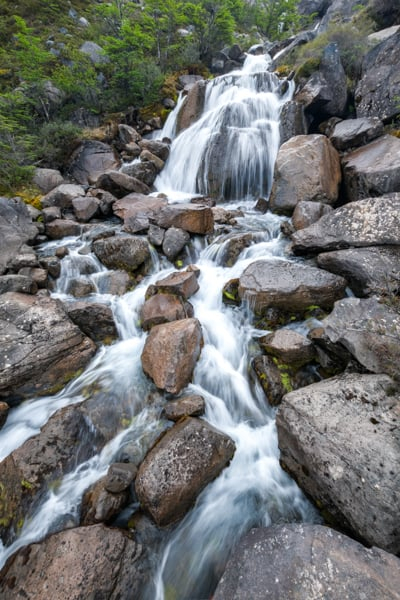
[(55, 143)]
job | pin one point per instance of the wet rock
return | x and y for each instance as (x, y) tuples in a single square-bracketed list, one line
[(174, 242), (180, 283), (192, 107), (80, 287), (26, 258), (52, 265), (128, 134), (137, 206), (289, 346), (17, 283), (120, 184), (182, 463), (105, 200), (223, 216), (292, 121), (355, 132), (155, 235), (143, 171), (98, 232), (100, 505), (90, 160), (4, 408), (16, 229), (274, 383), (86, 562), (60, 228), (160, 149), (94, 319), (119, 477), (369, 330), (384, 12), (374, 270), (190, 217), (288, 286), (306, 213), (232, 245), (128, 253), (85, 208), (115, 282), (373, 170), (171, 352), (188, 406), (51, 214), (378, 90), (307, 168), (147, 156), (368, 222), (40, 346), (164, 308), (38, 276), (307, 562), (338, 438), (63, 195), (47, 179)]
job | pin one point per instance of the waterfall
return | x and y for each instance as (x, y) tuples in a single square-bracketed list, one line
[(229, 152)]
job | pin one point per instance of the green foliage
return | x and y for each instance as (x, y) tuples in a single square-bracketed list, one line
[(55, 143), (277, 19)]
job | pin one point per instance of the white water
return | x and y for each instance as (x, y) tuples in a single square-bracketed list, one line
[(253, 490)]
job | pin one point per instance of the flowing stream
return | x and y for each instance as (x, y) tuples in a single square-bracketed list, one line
[(243, 106)]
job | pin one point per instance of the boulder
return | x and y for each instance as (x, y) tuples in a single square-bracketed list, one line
[(374, 270), (120, 184), (115, 282), (159, 149), (94, 52), (47, 179), (368, 222), (355, 132), (25, 258), (87, 562), (341, 11), (101, 506), (288, 286), (171, 352), (16, 228), (52, 265), (17, 283), (174, 242), (127, 253), (307, 212), (232, 245), (143, 171), (338, 440), (187, 406), (378, 90), (136, 206), (4, 408), (86, 208), (384, 12), (155, 235), (188, 457), (180, 283), (192, 106), (38, 276), (164, 308), (90, 160), (190, 217), (147, 156), (94, 319), (368, 330), (62, 195), (372, 170), (105, 200), (292, 121), (288, 346), (307, 168), (128, 134), (60, 228), (307, 562), (40, 346), (52, 213), (119, 477)]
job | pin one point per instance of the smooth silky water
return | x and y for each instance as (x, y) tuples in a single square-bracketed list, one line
[(253, 490)]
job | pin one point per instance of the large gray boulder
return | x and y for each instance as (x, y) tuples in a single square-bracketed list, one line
[(338, 438), (87, 562), (120, 184), (181, 464), (374, 270), (372, 170), (307, 562), (355, 132), (379, 88), (171, 352), (307, 168), (288, 286), (368, 222), (90, 160), (368, 330), (47, 179), (94, 319), (127, 253), (16, 228), (40, 346), (62, 195)]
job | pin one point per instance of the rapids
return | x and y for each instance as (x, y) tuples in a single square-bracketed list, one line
[(253, 490)]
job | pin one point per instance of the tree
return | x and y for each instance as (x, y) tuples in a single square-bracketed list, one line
[(277, 19)]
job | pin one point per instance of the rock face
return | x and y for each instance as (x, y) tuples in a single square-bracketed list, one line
[(90, 160), (16, 228), (379, 88), (307, 168), (40, 346), (88, 562), (182, 463), (368, 222), (369, 330), (171, 352), (355, 132), (307, 562), (374, 270), (127, 253), (288, 286), (373, 170), (192, 106), (338, 439)]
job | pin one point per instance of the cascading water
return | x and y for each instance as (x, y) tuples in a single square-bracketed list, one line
[(241, 114)]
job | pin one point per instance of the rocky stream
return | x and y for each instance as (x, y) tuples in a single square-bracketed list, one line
[(199, 355)]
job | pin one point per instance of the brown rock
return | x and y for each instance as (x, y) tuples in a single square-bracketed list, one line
[(180, 283), (91, 159), (289, 346), (190, 217), (306, 213), (156, 147), (171, 352), (128, 253), (85, 208), (188, 457), (192, 107), (119, 477), (60, 228), (147, 156), (63, 195), (135, 205), (120, 184), (99, 505), (3, 413), (94, 319), (188, 406), (164, 308), (47, 179)]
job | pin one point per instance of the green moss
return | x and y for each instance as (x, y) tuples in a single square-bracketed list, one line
[(26, 484), (308, 67)]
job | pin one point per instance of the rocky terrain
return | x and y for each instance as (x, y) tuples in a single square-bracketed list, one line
[(337, 183)]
